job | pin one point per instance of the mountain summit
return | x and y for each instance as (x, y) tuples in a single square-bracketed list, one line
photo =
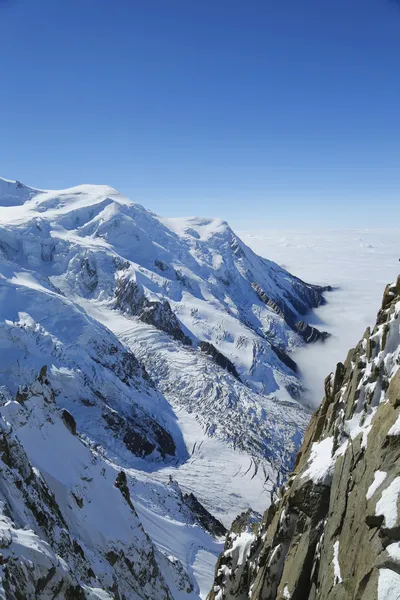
[(167, 350)]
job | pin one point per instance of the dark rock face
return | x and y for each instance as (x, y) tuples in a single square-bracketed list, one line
[(161, 316), (42, 377), (219, 358), (285, 358), (161, 265), (121, 483), (308, 296), (308, 333), (120, 361), (201, 514), (22, 394), (141, 435), (89, 274), (130, 298), (311, 297), (333, 532), (69, 421)]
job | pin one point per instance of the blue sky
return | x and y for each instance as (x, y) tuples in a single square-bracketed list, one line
[(264, 113)]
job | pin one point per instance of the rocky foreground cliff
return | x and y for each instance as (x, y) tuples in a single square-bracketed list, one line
[(334, 529)]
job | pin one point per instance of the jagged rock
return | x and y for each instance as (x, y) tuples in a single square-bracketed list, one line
[(219, 358), (161, 316), (142, 435), (308, 333), (22, 394), (130, 298), (69, 421), (285, 358), (121, 483), (160, 265), (202, 516), (90, 278), (42, 377), (334, 531), (287, 314), (313, 299)]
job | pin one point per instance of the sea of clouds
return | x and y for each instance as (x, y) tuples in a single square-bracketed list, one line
[(359, 263)]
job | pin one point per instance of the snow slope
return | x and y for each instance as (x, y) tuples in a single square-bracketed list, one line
[(168, 341)]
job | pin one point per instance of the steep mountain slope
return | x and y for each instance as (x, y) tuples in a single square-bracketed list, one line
[(334, 531), (69, 527), (167, 341)]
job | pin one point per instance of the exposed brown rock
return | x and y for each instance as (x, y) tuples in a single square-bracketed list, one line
[(326, 535)]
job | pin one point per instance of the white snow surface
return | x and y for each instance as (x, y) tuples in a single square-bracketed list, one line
[(336, 566), (394, 551), (240, 548), (395, 429), (388, 585), (286, 593), (379, 478), (387, 504), (320, 464)]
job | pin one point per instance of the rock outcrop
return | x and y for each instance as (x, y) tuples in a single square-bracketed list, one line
[(309, 298), (219, 358), (202, 516), (333, 531), (130, 298)]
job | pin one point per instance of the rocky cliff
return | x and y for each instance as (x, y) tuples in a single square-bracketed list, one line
[(333, 530)]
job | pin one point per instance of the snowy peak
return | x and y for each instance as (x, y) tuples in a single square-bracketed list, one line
[(55, 202), (166, 288), (14, 193), (167, 344), (197, 228), (186, 296)]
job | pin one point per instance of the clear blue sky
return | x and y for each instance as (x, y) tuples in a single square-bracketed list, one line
[(252, 110)]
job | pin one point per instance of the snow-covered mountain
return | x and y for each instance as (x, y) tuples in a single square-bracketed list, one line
[(69, 526), (167, 345)]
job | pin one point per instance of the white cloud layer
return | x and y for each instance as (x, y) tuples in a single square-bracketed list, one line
[(359, 262)]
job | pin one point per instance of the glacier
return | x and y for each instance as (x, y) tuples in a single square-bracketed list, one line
[(167, 343)]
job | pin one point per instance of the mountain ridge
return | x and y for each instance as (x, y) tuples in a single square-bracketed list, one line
[(163, 358), (333, 530)]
